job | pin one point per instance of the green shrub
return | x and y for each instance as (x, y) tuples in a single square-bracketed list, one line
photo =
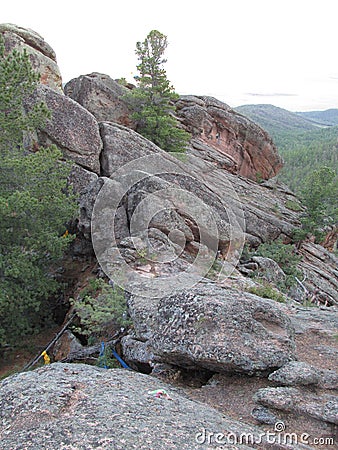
[(294, 206), (266, 290), (107, 360), (100, 305), (285, 256)]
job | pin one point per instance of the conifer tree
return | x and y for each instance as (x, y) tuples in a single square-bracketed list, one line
[(319, 194), (34, 205), (17, 82), (152, 102)]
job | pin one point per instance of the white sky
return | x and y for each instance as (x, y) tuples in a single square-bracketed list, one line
[(282, 52)]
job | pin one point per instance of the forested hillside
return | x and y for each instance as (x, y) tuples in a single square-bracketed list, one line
[(277, 120), (328, 117), (306, 151), (304, 144)]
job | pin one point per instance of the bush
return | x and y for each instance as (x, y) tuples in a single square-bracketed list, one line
[(100, 305), (285, 256), (266, 290)]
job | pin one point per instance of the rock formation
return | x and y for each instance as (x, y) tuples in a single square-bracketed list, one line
[(71, 127), (219, 134), (157, 219), (229, 139), (101, 96), (66, 406), (41, 54), (214, 328)]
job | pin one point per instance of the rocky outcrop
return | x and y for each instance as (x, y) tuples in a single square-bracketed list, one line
[(121, 146), (307, 388), (289, 399), (101, 96), (42, 56), (214, 328), (71, 127), (84, 407), (296, 373), (265, 268), (219, 134), (320, 274), (228, 139), (212, 185)]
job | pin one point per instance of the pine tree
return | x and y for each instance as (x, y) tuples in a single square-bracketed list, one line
[(17, 82), (319, 194), (34, 205), (152, 102)]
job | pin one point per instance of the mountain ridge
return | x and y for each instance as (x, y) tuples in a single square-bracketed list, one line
[(328, 117), (275, 119)]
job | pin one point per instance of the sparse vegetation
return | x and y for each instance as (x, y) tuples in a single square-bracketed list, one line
[(294, 206), (214, 270), (285, 256), (267, 290)]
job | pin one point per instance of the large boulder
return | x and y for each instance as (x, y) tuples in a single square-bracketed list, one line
[(101, 96), (71, 127), (229, 139), (214, 328), (42, 56), (68, 406)]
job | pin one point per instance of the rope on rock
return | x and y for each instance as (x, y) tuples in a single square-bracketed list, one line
[(120, 360), (52, 342), (103, 358)]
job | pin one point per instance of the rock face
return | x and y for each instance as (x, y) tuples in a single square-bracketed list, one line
[(71, 127), (122, 145), (101, 96), (289, 399), (319, 267), (214, 328), (228, 138), (42, 56), (219, 134), (65, 406)]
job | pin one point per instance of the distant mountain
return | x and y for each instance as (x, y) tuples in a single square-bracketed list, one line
[(277, 120), (306, 141), (328, 117)]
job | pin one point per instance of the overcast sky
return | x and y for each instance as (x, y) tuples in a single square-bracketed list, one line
[(239, 51)]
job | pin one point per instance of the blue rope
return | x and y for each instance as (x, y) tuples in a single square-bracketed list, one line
[(103, 358), (120, 360)]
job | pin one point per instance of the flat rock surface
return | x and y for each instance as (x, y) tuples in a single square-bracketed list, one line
[(75, 406)]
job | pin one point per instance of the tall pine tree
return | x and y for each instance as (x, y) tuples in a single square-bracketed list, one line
[(152, 102), (34, 205)]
